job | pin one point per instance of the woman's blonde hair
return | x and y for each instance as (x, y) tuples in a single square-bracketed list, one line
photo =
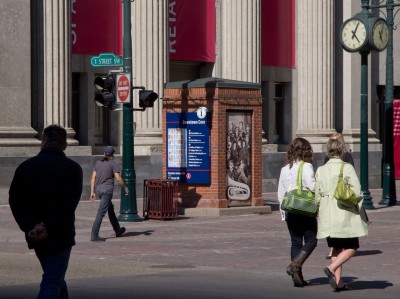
[(336, 147), (337, 136)]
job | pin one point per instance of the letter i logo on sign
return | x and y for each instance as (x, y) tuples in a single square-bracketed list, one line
[(123, 89)]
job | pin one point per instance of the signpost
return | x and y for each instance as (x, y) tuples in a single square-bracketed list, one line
[(106, 59)]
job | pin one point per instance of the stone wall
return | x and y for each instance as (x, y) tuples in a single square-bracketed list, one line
[(150, 167), (147, 167), (273, 162)]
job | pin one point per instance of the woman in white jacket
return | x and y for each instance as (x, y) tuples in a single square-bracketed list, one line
[(302, 229), (340, 225)]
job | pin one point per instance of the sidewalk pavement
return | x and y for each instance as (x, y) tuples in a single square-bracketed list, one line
[(202, 257)]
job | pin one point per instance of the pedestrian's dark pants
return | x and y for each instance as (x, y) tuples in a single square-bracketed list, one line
[(303, 233), (53, 285), (105, 206)]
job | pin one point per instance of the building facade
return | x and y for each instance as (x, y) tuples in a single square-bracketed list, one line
[(310, 86)]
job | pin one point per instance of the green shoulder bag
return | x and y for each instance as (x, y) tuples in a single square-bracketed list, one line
[(299, 200), (343, 192)]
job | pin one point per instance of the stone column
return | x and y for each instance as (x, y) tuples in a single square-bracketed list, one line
[(57, 69), (315, 64), (15, 72), (238, 40), (150, 65)]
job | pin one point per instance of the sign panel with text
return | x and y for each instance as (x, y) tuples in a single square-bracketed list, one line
[(188, 146), (123, 88), (106, 59)]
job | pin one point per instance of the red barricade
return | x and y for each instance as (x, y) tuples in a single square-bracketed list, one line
[(396, 137), (160, 199)]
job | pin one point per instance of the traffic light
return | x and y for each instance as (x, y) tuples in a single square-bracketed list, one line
[(105, 90), (147, 98)]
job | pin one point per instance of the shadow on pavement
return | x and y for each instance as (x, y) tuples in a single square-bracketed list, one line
[(368, 285), (368, 252), (352, 283), (134, 234)]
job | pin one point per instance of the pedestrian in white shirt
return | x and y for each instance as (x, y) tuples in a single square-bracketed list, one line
[(302, 229)]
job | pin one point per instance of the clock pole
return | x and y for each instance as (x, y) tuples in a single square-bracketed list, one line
[(367, 199), (367, 203)]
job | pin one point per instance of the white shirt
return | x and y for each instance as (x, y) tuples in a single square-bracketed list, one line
[(288, 177)]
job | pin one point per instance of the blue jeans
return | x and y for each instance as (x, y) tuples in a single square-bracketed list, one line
[(53, 285), (303, 233), (105, 206)]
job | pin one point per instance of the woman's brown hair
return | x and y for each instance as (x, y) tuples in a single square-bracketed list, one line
[(299, 149)]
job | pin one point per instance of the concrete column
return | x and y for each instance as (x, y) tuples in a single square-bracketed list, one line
[(315, 64), (15, 72), (56, 69), (238, 40), (150, 65)]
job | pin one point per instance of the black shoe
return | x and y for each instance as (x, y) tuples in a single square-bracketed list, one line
[(331, 278), (120, 232), (342, 288), (97, 239)]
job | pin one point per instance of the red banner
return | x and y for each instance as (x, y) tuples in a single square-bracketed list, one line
[(192, 30), (396, 137), (96, 27), (278, 33)]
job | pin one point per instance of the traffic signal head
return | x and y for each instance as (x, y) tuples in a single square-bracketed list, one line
[(147, 98), (105, 90)]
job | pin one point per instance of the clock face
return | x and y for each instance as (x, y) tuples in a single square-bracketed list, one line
[(354, 35), (380, 35)]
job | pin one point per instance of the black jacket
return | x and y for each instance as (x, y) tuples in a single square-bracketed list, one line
[(47, 188)]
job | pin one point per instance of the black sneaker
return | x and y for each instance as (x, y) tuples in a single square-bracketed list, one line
[(97, 239), (120, 232)]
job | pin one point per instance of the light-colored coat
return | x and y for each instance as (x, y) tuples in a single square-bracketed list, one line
[(334, 220)]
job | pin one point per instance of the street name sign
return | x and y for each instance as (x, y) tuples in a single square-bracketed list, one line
[(106, 59)]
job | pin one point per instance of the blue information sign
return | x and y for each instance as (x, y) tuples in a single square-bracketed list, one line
[(188, 146)]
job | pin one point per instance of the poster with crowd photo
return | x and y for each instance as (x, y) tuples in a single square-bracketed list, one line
[(238, 158)]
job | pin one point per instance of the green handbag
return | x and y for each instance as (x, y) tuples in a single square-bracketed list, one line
[(300, 201), (343, 192)]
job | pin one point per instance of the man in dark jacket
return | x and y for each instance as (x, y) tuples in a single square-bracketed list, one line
[(43, 196)]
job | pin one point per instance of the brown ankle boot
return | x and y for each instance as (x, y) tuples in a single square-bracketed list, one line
[(291, 268), (297, 281), (305, 283), (294, 269)]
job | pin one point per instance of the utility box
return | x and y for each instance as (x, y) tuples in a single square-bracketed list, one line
[(212, 142)]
